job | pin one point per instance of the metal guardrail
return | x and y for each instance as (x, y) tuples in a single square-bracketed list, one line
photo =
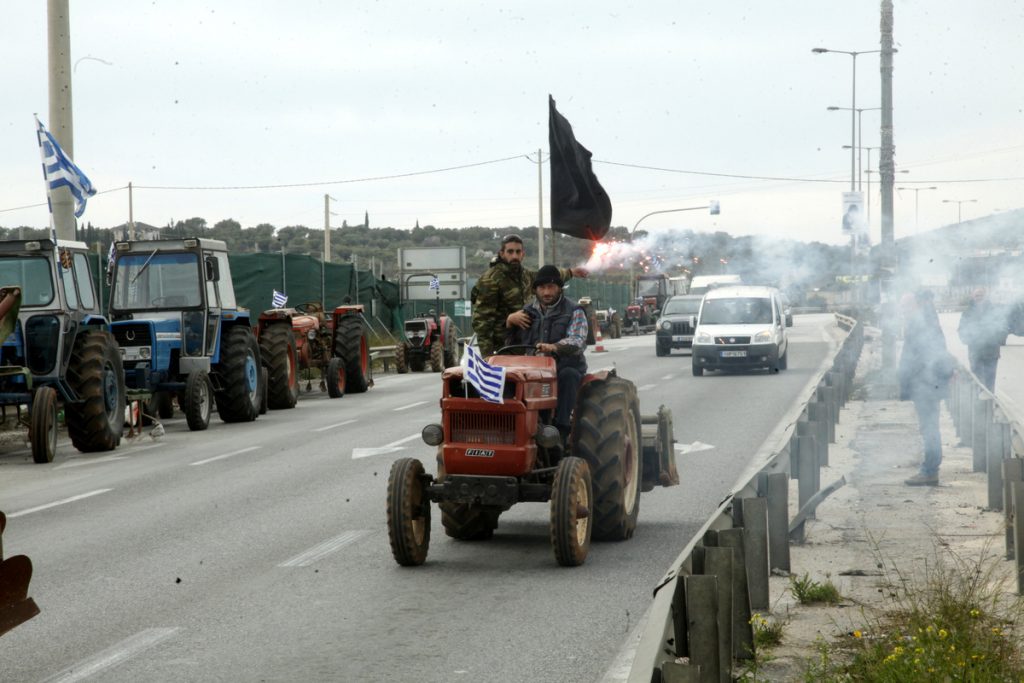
[(702, 607), (995, 435)]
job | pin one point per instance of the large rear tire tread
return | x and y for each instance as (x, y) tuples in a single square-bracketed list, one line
[(352, 345), (235, 401), (335, 378), (436, 356), (277, 351), (571, 519), (42, 431), (408, 513), (607, 437), (401, 366), (96, 375)]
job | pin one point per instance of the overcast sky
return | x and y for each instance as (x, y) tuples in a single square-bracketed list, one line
[(182, 93)]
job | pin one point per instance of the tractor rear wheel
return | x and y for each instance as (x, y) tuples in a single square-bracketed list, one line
[(401, 366), (408, 513), (163, 405), (607, 436), (352, 345), (239, 368), (570, 512), (264, 389), (42, 432), (96, 375), (436, 356), (335, 378), (277, 351), (463, 521), (197, 403)]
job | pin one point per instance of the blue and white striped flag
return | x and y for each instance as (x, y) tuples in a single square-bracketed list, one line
[(279, 299), (435, 284), (60, 171), (487, 379)]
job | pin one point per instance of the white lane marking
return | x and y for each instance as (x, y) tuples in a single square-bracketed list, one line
[(381, 450), (623, 663), (136, 449), (226, 455), (669, 376), (82, 463), (411, 405), (112, 656), (54, 504), (340, 424), (645, 387), (693, 447), (318, 552)]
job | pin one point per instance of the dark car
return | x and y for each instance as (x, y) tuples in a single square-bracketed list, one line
[(675, 325)]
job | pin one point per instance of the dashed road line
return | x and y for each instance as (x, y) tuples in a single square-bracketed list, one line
[(93, 461), (669, 376), (226, 455), (112, 656), (54, 504), (645, 387), (380, 450), (333, 426), (318, 552), (411, 405)]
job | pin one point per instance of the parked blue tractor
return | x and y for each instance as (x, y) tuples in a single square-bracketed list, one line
[(57, 351), (182, 333)]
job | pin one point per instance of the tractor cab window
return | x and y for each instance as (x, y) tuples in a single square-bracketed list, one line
[(32, 274), (647, 287), (67, 276), (224, 283), (157, 281), (84, 278)]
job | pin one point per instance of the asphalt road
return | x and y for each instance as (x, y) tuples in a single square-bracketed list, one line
[(259, 552)]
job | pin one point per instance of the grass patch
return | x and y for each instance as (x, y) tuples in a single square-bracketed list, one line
[(767, 632), (957, 624), (807, 591)]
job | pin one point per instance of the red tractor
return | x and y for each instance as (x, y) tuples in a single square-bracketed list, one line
[(335, 343), (429, 338), (491, 456)]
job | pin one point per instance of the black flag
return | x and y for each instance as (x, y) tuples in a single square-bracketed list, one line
[(579, 205)]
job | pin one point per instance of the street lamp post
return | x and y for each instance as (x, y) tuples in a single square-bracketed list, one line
[(868, 172), (916, 191), (713, 206), (853, 107), (860, 138), (958, 203)]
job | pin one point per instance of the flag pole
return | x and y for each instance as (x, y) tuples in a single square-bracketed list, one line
[(46, 181)]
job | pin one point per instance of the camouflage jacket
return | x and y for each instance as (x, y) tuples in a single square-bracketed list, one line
[(501, 291)]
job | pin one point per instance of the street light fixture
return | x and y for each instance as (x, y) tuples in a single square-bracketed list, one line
[(958, 203), (853, 106), (916, 191), (712, 205), (860, 136)]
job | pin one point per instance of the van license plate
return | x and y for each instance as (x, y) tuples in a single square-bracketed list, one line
[(734, 354)]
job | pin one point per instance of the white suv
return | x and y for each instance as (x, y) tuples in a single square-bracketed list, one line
[(740, 327)]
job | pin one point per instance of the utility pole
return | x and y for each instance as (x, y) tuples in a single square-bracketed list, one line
[(886, 168), (61, 120), (327, 228), (131, 213), (540, 210)]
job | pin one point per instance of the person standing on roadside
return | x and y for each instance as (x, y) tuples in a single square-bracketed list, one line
[(983, 329), (502, 292), (924, 373)]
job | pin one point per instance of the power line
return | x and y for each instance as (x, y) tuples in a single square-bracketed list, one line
[(36, 206)]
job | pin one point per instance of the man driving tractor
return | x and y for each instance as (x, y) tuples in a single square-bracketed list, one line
[(558, 326)]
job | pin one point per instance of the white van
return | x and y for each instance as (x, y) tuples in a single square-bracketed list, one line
[(704, 283), (740, 326)]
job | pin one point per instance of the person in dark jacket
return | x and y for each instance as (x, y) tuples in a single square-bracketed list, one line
[(558, 326), (983, 329), (924, 373)]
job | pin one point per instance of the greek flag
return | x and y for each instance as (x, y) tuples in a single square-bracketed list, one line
[(60, 171), (487, 379), (279, 299), (435, 284)]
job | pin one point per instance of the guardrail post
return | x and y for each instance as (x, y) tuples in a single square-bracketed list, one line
[(742, 630), (777, 495), (808, 472), (967, 394), (681, 636), (954, 402), (702, 624), (818, 415), (755, 540), (1017, 488), (998, 448), (719, 562), (826, 395), (832, 382), (979, 441), (1013, 470), (672, 672)]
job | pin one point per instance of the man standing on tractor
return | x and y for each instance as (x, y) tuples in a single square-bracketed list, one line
[(502, 292), (558, 326)]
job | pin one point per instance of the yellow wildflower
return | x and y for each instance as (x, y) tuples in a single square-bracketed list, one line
[(857, 634)]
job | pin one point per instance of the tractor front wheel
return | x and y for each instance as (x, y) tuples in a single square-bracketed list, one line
[(277, 351), (42, 432), (335, 378), (198, 393), (408, 513), (570, 512), (352, 345), (401, 366), (436, 356), (96, 375), (239, 370)]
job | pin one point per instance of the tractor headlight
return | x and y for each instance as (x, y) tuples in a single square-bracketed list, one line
[(311, 335), (666, 325), (763, 337), (548, 436), (144, 352), (433, 435)]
